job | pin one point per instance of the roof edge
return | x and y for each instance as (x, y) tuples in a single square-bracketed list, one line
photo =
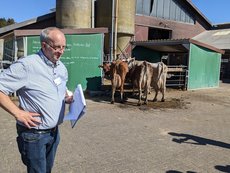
[(206, 46), (25, 23), (199, 12)]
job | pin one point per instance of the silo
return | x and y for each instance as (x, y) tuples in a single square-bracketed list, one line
[(125, 21), (73, 13)]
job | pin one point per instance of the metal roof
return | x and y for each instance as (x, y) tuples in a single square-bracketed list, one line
[(26, 23), (217, 38), (164, 45), (173, 45)]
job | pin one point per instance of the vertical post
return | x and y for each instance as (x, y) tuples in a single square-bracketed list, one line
[(115, 28), (92, 13), (112, 33)]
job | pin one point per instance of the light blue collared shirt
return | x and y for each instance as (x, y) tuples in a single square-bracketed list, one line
[(40, 86)]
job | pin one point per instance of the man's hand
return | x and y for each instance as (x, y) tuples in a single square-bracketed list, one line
[(28, 118), (69, 99)]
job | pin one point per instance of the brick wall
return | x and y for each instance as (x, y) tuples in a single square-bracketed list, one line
[(179, 30)]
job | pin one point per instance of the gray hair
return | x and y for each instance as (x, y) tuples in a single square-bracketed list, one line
[(44, 36)]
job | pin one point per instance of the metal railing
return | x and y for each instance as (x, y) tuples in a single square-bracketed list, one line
[(177, 76)]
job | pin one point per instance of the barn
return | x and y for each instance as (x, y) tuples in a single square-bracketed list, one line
[(191, 64), (124, 29)]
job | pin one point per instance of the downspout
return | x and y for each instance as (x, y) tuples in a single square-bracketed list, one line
[(115, 29), (112, 32), (92, 13)]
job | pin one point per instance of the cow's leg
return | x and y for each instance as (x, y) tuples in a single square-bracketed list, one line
[(122, 94), (155, 97), (133, 94), (163, 94), (146, 95), (139, 92), (122, 88), (146, 89), (113, 91), (139, 99)]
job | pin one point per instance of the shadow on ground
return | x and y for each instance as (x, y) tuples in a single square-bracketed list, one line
[(196, 140), (223, 168)]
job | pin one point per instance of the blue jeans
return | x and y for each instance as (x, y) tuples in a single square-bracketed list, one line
[(38, 149)]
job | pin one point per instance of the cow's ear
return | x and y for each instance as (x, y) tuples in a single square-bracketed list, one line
[(100, 66)]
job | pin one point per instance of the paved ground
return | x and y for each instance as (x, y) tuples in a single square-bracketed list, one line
[(190, 136)]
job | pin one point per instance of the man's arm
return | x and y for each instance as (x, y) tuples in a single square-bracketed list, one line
[(27, 118)]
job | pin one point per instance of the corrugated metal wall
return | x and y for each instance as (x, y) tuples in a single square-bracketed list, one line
[(204, 68), (166, 9)]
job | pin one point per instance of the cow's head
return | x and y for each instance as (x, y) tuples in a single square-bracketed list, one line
[(106, 67), (131, 62)]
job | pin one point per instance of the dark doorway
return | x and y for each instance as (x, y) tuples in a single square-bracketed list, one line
[(155, 33)]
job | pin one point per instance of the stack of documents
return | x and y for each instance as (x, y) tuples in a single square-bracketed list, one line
[(77, 108)]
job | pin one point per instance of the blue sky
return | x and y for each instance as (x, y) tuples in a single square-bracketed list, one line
[(216, 11), (21, 10)]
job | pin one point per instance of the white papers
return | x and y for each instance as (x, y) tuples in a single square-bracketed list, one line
[(77, 108)]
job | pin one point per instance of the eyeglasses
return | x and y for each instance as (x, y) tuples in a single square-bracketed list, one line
[(56, 48)]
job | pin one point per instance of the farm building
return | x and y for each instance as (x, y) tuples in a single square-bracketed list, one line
[(191, 64), (219, 38), (84, 50), (130, 24)]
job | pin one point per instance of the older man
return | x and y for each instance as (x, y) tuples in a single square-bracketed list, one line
[(40, 81)]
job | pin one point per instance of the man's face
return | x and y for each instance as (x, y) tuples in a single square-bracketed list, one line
[(54, 49)]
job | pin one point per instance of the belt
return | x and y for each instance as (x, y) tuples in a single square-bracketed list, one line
[(21, 129)]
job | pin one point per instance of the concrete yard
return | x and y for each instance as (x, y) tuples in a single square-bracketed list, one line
[(189, 133)]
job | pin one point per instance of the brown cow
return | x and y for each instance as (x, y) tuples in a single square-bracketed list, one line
[(117, 71), (137, 74)]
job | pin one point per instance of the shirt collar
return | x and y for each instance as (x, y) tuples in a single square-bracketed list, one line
[(46, 60)]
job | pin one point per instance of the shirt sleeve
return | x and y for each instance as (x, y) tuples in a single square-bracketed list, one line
[(13, 78)]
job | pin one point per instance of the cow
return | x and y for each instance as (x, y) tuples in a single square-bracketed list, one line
[(117, 71), (145, 75), (158, 74), (137, 74)]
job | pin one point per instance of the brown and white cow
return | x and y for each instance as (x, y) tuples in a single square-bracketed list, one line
[(137, 74), (117, 71), (158, 74), (145, 75)]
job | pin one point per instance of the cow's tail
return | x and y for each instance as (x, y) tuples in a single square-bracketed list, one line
[(146, 76), (162, 70)]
